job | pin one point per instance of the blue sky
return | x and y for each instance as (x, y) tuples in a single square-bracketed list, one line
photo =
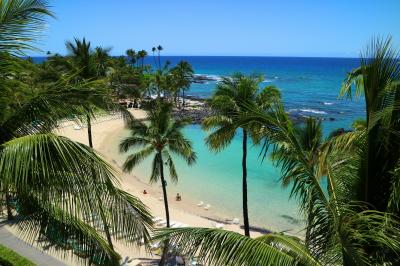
[(221, 27)]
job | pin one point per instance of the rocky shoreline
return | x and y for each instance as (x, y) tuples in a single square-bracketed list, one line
[(196, 109)]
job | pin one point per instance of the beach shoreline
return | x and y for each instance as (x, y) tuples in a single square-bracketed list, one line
[(109, 128), (185, 211)]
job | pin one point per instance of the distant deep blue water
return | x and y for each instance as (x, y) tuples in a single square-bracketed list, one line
[(309, 86)]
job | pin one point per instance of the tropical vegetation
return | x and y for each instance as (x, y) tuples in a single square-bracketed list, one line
[(59, 193)]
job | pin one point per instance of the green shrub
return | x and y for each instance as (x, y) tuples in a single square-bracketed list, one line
[(9, 257)]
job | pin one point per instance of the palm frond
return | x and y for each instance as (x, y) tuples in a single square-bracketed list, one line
[(21, 23), (219, 247)]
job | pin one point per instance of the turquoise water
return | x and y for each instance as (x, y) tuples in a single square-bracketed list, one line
[(216, 180), (309, 86)]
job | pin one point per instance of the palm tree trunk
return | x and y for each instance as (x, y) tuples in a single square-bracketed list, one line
[(183, 98), (89, 130), (159, 61), (10, 216), (244, 187), (164, 188), (164, 256)]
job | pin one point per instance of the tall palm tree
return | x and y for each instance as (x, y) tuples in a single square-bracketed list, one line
[(142, 54), (377, 79), (229, 100), (100, 57), (132, 56), (90, 65), (160, 137), (344, 225), (183, 76), (153, 50), (159, 49)]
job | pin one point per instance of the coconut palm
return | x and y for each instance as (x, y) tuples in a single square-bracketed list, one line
[(56, 185), (183, 76), (89, 65), (142, 54), (229, 100), (161, 137), (153, 50), (159, 49), (100, 57), (132, 56)]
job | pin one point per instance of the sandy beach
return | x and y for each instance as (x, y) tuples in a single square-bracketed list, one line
[(186, 211)]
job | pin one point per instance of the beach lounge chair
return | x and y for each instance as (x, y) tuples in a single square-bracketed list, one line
[(176, 225), (162, 223), (200, 204), (157, 219), (208, 206), (77, 127), (235, 221), (218, 225)]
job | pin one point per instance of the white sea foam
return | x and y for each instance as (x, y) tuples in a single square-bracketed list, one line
[(313, 111), (210, 76), (328, 103)]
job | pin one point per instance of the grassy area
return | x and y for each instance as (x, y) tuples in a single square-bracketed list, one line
[(9, 257)]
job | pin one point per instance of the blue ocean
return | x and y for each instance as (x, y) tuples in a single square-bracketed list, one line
[(309, 87)]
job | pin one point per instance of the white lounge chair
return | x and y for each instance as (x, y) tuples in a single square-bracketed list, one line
[(77, 127), (235, 221), (162, 223), (176, 225), (160, 198), (218, 225), (200, 204), (157, 219), (208, 206)]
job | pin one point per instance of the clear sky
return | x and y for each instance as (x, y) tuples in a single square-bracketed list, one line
[(221, 27)]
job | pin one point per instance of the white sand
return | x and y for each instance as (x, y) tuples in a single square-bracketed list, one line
[(188, 213)]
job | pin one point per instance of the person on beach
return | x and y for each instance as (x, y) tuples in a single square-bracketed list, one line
[(144, 192), (178, 197)]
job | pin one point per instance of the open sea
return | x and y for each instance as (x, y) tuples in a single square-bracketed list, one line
[(309, 86)]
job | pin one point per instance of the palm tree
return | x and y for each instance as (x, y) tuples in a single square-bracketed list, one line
[(90, 66), (229, 100), (183, 76), (160, 137), (153, 50), (377, 79), (142, 54), (101, 56), (344, 225), (132, 56), (159, 49)]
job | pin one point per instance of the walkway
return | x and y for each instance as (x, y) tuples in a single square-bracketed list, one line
[(32, 253)]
